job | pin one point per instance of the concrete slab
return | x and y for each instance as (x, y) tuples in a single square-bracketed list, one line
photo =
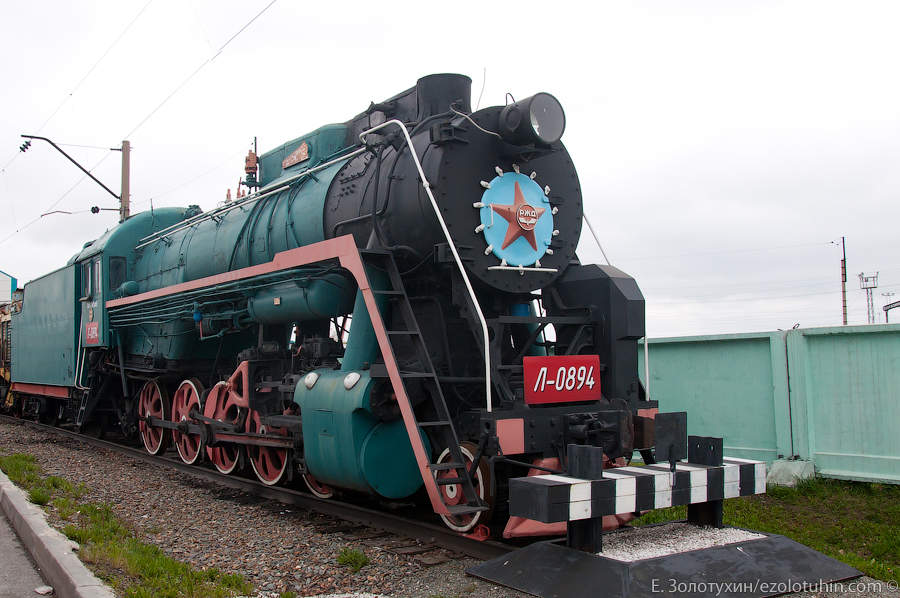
[(784, 472), (53, 552), (19, 576)]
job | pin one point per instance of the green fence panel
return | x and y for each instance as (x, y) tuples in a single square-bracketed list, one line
[(831, 395), (727, 384), (845, 400)]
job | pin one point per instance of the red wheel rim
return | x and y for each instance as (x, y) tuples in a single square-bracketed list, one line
[(316, 487), (219, 407), (453, 494), (269, 464), (154, 402), (187, 398)]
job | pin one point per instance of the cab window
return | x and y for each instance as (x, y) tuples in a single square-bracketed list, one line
[(97, 279), (86, 276), (116, 272)]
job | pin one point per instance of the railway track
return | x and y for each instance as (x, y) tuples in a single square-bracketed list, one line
[(425, 542)]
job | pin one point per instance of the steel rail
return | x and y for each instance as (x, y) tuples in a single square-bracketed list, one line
[(418, 530)]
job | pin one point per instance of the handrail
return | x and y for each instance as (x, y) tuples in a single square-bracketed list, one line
[(459, 264), (646, 340), (264, 191), (316, 168), (79, 364), (596, 239), (176, 228)]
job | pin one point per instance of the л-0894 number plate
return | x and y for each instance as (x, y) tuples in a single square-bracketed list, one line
[(562, 379)]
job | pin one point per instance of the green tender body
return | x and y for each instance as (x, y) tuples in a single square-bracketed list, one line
[(346, 446), (45, 332)]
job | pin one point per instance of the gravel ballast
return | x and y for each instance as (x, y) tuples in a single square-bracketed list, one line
[(659, 540), (276, 547)]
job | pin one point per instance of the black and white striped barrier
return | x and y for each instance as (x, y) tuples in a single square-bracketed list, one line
[(555, 498), (589, 492)]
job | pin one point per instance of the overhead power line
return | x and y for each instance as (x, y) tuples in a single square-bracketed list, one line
[(96, 64), (96, 147), (148, 116), (739, 297), (723, 251), (751, 285), (54, 204), (198, 69), (81, 81), (187, 182)]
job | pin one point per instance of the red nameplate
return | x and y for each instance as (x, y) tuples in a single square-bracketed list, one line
[(562, 379), (92, 333)]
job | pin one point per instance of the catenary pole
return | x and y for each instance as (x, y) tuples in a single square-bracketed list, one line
[(125, 195)]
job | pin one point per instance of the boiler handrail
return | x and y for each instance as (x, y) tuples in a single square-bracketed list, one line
[(459, 264)]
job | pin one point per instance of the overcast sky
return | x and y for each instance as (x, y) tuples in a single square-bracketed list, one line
[(721, 146)]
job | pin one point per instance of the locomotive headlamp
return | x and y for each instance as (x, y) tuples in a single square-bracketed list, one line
[(539, 119)]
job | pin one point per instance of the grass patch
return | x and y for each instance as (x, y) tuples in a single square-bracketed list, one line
[(287, 594), (65, 507), (62, 486), (109, 545), (148, 572), (21, 469), (854, 522), (26, 473), (352, 558), (39, 496)]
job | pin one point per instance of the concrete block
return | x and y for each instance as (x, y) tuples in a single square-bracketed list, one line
[(784, 472)]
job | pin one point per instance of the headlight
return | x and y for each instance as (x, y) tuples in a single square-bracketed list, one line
[(539, 119)]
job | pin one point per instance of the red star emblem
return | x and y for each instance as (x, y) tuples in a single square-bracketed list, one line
[(524, 215)]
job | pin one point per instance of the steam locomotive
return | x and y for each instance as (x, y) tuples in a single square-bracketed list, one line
[(395, 308)]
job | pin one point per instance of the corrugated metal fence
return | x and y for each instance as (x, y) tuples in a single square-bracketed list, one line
[(831, 395)]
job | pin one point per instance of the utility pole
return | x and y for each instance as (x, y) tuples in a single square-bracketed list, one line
[(125, 195), (844, 278)]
